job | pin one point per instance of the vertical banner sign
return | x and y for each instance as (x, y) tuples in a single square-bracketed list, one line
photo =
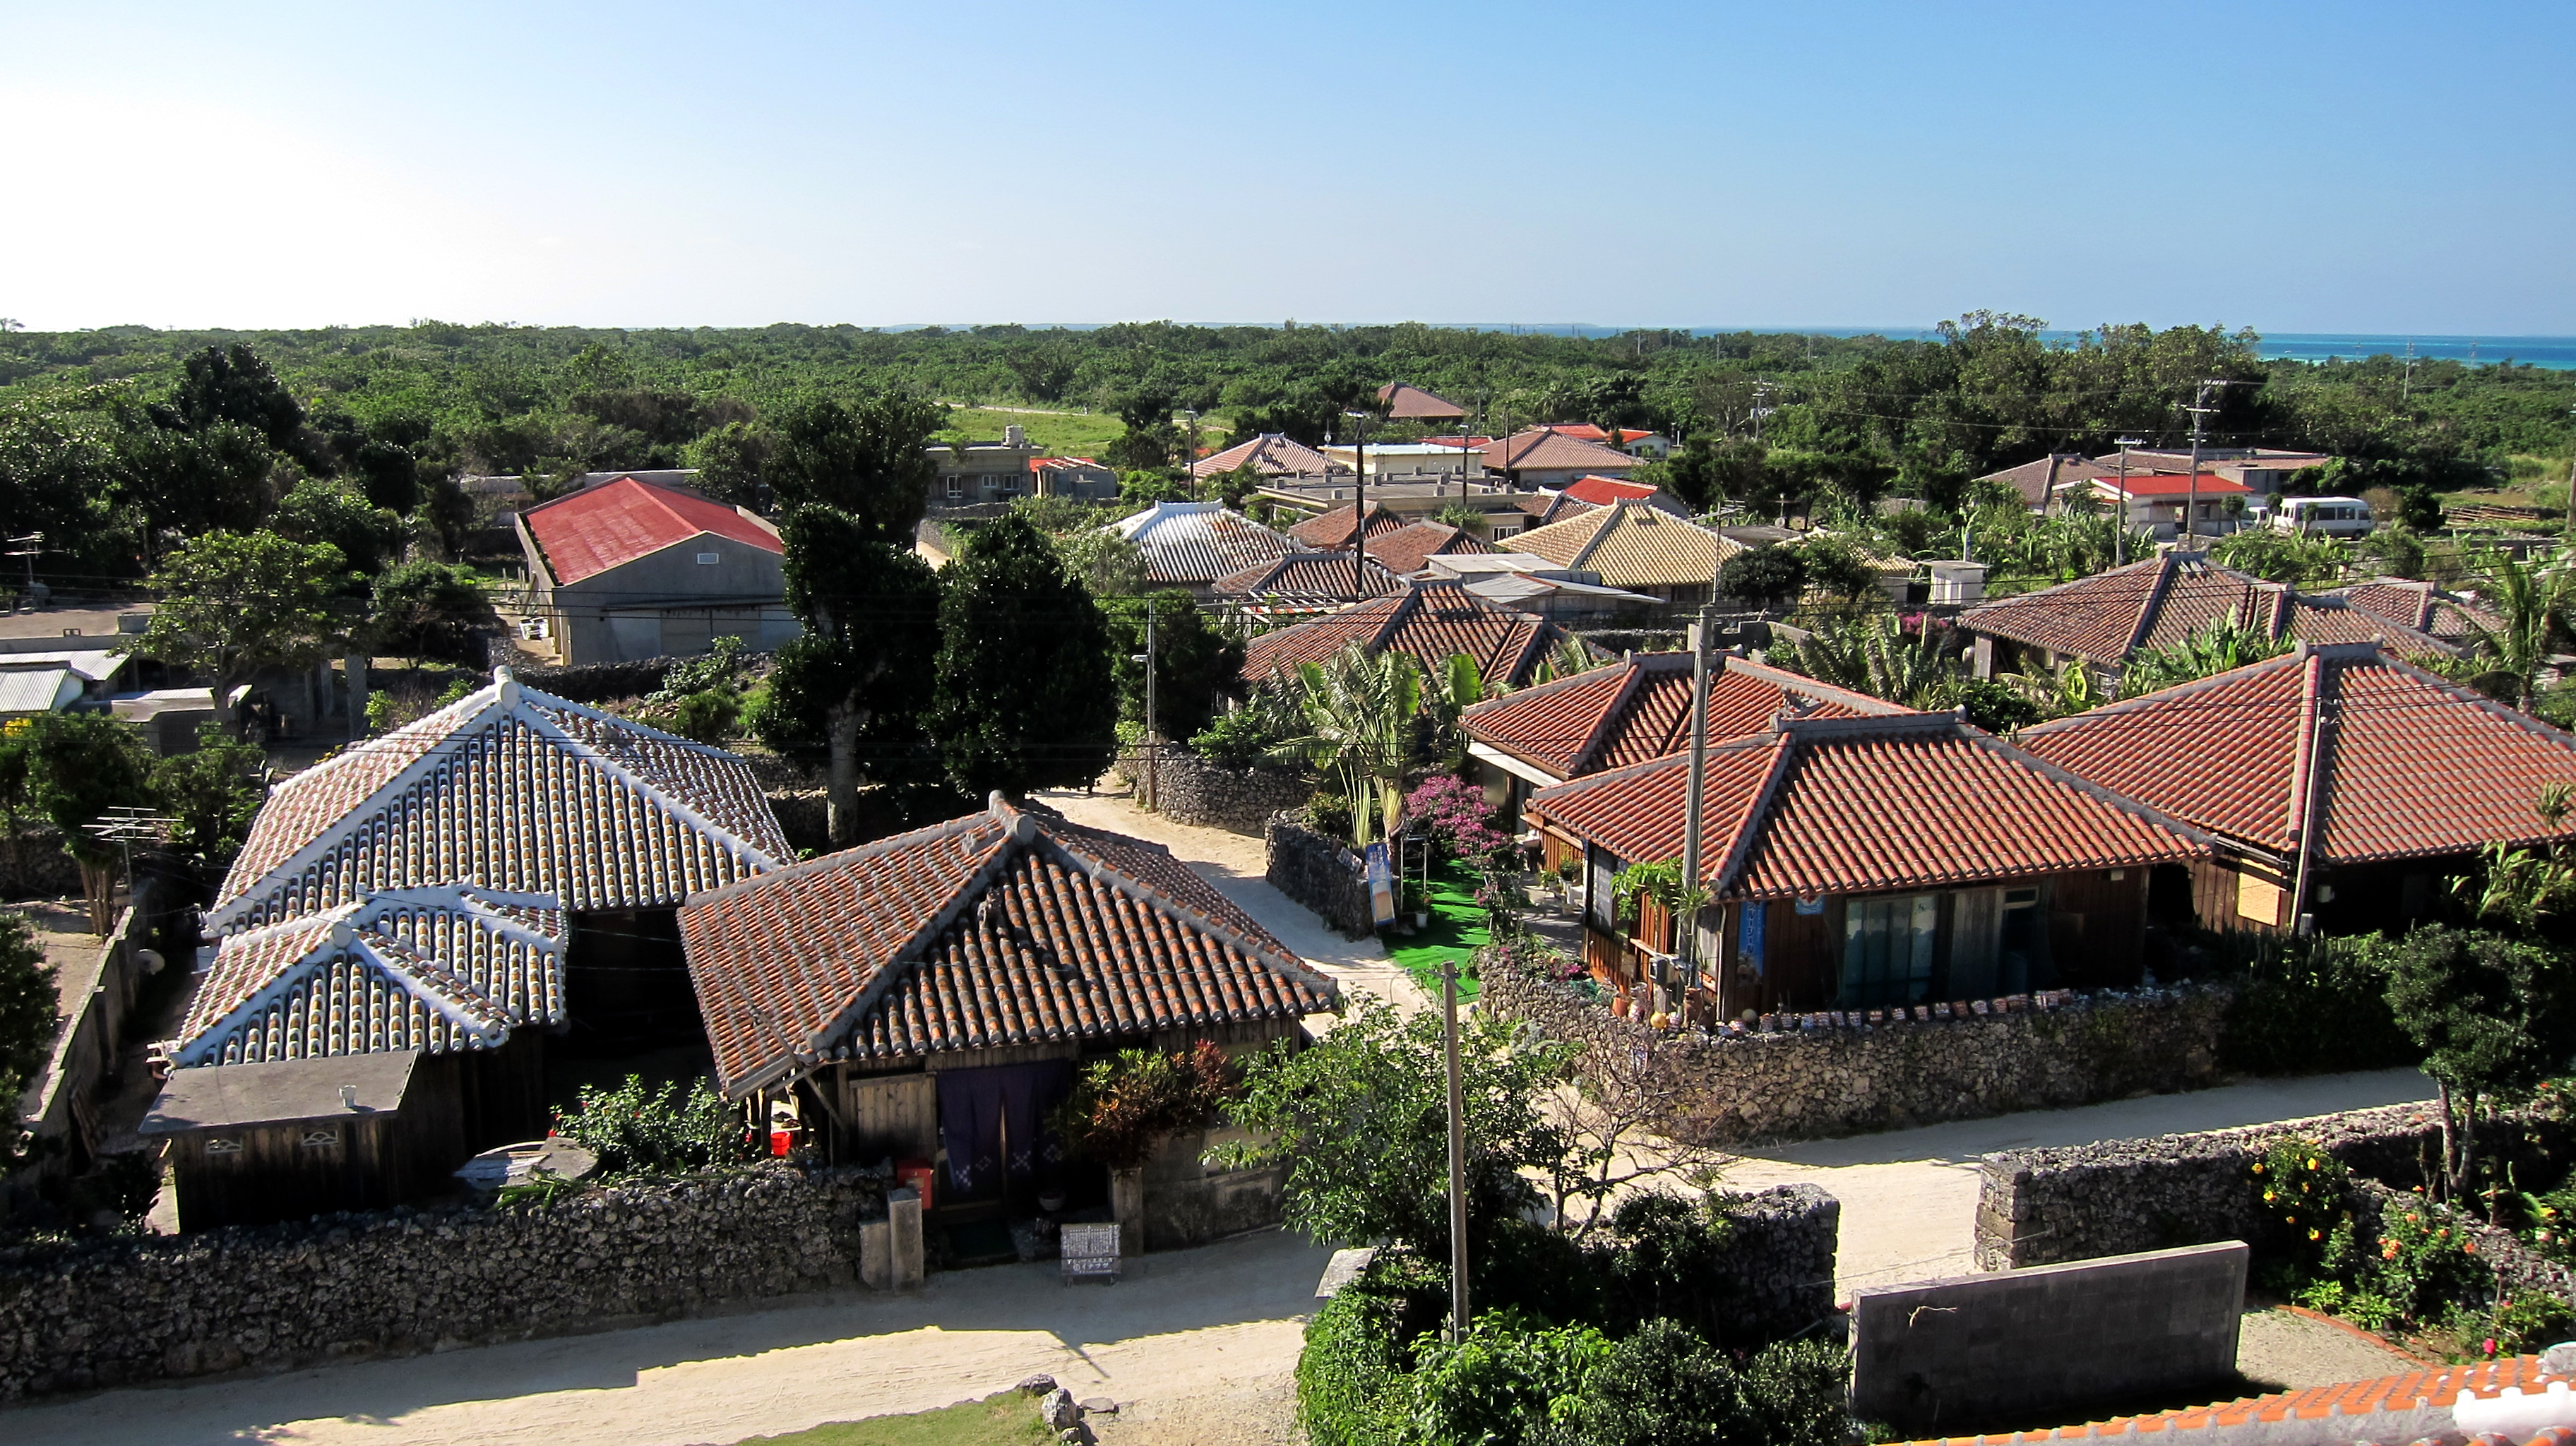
[(1381, 885), (1748, 934)]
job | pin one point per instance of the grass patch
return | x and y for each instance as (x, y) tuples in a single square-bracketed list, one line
[(1003, 1419), (1062, 434), (1456, 931)]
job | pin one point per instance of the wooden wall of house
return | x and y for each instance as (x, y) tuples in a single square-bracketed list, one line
[(498, 1095), (1802, 959), (255, 1175), (887, 1116), (2097, 927)]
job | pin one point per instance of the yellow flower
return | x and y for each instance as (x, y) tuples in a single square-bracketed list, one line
[(2312, 1235), (2258, 1167), (2267, 1197), (2312, 1164)]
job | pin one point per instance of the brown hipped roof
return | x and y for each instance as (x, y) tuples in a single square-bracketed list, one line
[(1545, 450), (1407, 550), (1272, 454), (1820, 806), (1405, 401), (1333, 529), (2037, 481), (1639, 710), (1004, 928), (1431, 622), (2159, 602), (2409, 766)]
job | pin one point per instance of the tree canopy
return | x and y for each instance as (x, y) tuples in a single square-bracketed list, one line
[(1024, 694)]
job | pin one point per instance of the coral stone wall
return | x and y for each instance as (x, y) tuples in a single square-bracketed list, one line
[(1194, 790), (1778, 1268), (1810, 1082), (1320, 874), (125, 1311)]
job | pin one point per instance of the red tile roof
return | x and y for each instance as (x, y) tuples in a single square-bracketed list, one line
[(2404, 603), (1333, 529), (588, 532), (1407, 550), (1405, 400), (2157, 603), (2036, 481), (1547, 450), (1818, 806), (1602, 491), (506, 789), (2411, 766), (1431, 622), (2409, 1406), (1633, 711), (1003, 928), (1272, 454)]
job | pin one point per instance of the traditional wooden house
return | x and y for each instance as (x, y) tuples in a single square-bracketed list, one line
[(1867, 862), (1431, 622), (2340, 782), (2103, 620), (931, 994), (1631, 712), (491, 883), (254, 1143)]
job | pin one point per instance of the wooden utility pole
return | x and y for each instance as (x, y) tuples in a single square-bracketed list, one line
[(1458, 1307), (1686, 921)]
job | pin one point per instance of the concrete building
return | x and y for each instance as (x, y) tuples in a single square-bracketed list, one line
[(1410, 460), (631, 570), (982, 471)]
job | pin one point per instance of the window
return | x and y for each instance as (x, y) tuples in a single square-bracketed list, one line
[(1887, 949), (956, 487), (706, 559)]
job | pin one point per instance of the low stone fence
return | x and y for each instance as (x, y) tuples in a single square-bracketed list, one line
[(1320, 874), (34, 865), (1194, 790), (124, 1311), (1821, 1079), (1777, 1268)]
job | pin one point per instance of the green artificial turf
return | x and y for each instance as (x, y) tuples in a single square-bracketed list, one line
[(1456, 931), (1007, 1419)]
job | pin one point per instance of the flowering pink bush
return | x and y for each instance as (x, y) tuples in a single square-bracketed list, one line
[(1453, 812)]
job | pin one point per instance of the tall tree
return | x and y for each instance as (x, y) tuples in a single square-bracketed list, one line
[(214, 792), (28, 1011), (866, 458), (233, 603), (1025, 699), (1196, 664), (858, 680), (330, 510), (232, 384), (79, 766), (430, 610)]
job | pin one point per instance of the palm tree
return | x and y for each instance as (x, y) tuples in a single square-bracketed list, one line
[(2222, 647), (1358, 712), (2534, 604), (1877, 657)]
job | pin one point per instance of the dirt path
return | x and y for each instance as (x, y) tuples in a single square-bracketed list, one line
[(1237, 865)]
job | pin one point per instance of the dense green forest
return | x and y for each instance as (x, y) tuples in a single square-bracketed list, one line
[(112, 440)]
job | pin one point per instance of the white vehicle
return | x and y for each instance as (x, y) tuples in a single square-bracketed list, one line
[(2324, 516)]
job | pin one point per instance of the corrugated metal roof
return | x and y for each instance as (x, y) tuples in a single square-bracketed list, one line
[(1195, 543), (37, 690), (598, 528)]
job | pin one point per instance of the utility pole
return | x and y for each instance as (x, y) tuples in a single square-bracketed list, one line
[(1359, 505), (1153, 750), (2120, 513), (1458, 1307), (1190, 462), (1686, 922), (1761, 407), (28, 547), (2200, 410), (2406, 387)]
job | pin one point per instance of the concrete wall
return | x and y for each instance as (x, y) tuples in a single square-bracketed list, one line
[(1805, 1080), (1951, 1356), (125, 1311)]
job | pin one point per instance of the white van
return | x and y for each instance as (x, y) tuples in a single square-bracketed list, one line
[(2323, 516)]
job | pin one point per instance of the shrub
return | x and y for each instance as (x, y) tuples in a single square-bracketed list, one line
[(637, 1129), (2313, 1006), (1505, 1383), (2306, 1198), (1238, 738), (1122, 1108), (1665, 1386), (1454, 814)]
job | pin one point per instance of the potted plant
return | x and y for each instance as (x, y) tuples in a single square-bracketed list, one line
[(1124, 1107), (1569, 888)]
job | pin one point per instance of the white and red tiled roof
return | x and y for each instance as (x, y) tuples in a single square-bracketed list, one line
[(2411, 1406), (2411, 766), (1407, 550), (1639, 710), (512, 790), (588, 532), (1546, 449), (1000, 929), (1431, 622), (436, 969), (1819, 806), (2162, 600)]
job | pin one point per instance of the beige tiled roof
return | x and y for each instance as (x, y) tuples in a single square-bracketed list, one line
[(1632, 545), (1003, 928), (436, 969), (512, 790)]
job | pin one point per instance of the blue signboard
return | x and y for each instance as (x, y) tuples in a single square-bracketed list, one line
[(1748, 935)]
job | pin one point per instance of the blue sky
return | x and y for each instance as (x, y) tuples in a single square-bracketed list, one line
[(2343, 167)]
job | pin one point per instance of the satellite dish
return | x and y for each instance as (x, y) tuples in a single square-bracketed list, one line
[(149, 959)]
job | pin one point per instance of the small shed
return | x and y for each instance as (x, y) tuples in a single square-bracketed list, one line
[(254, 1143)]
